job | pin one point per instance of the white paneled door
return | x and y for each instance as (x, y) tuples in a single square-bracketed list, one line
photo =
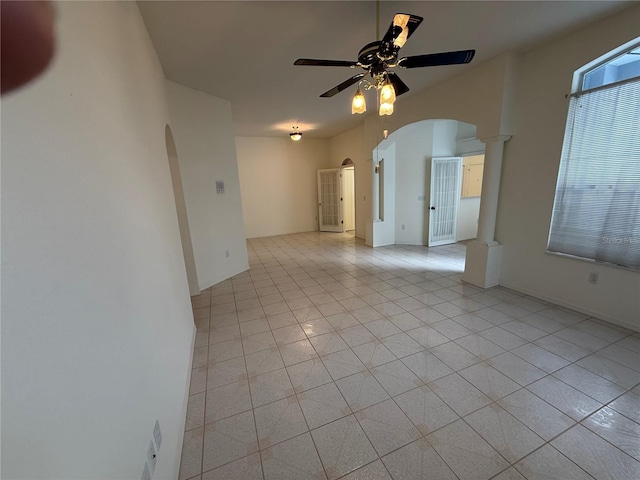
[(330, 200), (349, 198), (446, 175)]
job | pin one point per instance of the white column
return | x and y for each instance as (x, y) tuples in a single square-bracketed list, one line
[(494, 148), (482, 265)]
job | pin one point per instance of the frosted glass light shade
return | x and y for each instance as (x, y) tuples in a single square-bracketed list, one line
[(296, 136), (358, 105), (386, 109), (387, 93)]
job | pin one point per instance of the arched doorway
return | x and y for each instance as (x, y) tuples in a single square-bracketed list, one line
[(403, 189), (181, 210)]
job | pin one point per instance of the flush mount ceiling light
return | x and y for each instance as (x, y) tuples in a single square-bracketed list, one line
[(295, 135)]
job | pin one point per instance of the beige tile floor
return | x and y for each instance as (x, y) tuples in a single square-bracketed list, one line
[(329, 359)]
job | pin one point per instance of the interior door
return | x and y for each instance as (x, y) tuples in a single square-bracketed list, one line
[(330, 200), (348, 199), (445, 197)]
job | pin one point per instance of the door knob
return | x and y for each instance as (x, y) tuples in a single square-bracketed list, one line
[(433, 208)]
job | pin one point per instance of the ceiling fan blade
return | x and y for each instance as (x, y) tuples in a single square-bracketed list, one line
[(437, 59), (325, 63), (398, 85), (401, 28), (343, 85)]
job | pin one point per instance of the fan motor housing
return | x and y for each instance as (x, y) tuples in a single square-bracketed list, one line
[(368, 54)]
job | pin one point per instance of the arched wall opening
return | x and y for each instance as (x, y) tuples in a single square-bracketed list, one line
[(181, 211), (483, 96), (401, 181)]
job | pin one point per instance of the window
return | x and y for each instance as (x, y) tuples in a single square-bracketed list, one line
[(596, 212)]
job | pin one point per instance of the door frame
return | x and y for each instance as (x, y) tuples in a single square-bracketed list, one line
[(340, 226), (353, 199), (456, 203)]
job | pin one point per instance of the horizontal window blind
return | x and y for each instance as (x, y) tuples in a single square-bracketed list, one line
[(596, 212)]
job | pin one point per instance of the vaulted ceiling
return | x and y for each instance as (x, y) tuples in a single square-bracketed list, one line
[(243, 51)]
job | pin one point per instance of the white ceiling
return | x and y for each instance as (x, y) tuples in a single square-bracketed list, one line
[(243, 51)]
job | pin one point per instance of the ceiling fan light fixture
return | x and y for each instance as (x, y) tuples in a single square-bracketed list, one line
[(387, 93), (296, 136), (377, 58), (386, 109), (401, 20), (358, 105)]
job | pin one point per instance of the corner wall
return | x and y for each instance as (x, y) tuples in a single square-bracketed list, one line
[(279, 184), (414, 146), (203, 130), (530, 169), (97, 328)]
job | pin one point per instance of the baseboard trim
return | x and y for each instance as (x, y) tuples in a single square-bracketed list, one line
[(232, 273), (571, 306), (185, 402)]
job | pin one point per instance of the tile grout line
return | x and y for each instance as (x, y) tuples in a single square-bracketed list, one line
[(424, 349)]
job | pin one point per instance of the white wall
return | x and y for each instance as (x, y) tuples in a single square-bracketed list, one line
[(351, 145), (469, 208), (203, 131), (529, 175), (467, 222), (444, 138), (414, 144), (469, 146), (279, 186), (384, 211), (96, 319), (181, 210)]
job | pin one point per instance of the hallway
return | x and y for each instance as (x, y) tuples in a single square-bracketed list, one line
[(329, 359)]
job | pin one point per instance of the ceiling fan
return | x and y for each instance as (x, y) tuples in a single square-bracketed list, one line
[(379, 56)]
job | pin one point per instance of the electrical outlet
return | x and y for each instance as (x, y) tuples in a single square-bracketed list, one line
[(593, 278), (226, 253), (402, 227)]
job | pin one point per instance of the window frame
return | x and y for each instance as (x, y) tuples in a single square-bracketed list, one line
[(577, 90)]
